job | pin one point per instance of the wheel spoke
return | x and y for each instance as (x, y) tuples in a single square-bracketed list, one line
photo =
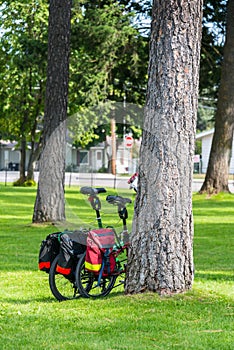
[(87, 282)]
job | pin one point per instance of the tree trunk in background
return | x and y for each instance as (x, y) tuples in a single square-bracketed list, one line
[(160, 254), (34, 156), (50, 202), (113, 146), (23, 146), (216, 179)]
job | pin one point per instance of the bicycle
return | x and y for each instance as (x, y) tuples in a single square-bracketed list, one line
[(65, 287), (93, 285)]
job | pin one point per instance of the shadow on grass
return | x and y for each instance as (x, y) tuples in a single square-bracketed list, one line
[(211, 212), (17, 301), (219, 277), (50, 300)]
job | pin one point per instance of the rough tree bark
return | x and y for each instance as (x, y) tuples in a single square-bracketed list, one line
[(216, 179), (50, 203), (161, 255)]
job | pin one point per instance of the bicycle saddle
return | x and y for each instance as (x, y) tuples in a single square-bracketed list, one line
[(92, 191), (118, 200)]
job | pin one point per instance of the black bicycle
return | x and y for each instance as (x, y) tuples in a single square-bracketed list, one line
[(65, 287)]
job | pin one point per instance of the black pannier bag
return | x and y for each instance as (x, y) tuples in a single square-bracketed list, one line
[(72, 245), (49, 249)]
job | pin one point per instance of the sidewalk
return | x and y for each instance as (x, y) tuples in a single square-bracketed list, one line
[(78, 179), (96, 180)]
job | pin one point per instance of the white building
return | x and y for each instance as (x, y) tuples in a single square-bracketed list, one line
[(77, 159), (98, 157), (206, 139), (9, 155)]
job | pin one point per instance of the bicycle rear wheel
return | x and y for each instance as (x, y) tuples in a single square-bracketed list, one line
[(87, 282), (61, 287)]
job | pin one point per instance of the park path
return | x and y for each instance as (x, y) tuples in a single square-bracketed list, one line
[(96, 180)]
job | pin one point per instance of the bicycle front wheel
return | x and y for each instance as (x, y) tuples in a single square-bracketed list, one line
[(61, 287), (87, 282)]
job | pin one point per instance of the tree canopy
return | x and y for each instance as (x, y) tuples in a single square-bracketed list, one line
[(109, 57), (108, 61)]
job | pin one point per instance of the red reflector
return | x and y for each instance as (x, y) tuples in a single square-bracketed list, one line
[(63, 270), (44, 265)]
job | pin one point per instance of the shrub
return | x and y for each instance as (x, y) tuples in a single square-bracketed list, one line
[(27, 183)]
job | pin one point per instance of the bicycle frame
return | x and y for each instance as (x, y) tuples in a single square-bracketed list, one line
[(91, 284), (94, 200)]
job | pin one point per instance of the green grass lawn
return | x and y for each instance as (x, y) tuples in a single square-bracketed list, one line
[(30, 317)]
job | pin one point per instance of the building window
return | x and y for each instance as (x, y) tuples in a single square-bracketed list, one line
[(84, 157), (99, 155)]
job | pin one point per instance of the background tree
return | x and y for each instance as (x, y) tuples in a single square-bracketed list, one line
[(160, 256), (22, 74), (49, 204), (109, 55), (108, 61), (213, 34), (217, 174)]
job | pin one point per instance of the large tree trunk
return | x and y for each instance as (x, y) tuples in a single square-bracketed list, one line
[(216, 179), (160, 255), (50, 203)]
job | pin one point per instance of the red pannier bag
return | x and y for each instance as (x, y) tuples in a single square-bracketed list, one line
[(99, 256)]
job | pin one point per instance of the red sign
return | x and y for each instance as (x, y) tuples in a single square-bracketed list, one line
[(196, 158), (128, 141)]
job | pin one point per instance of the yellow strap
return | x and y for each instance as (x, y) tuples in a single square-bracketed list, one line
[(92, 267)]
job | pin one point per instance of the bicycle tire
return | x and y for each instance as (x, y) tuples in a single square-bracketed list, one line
[(87, 282), (61, 287)]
